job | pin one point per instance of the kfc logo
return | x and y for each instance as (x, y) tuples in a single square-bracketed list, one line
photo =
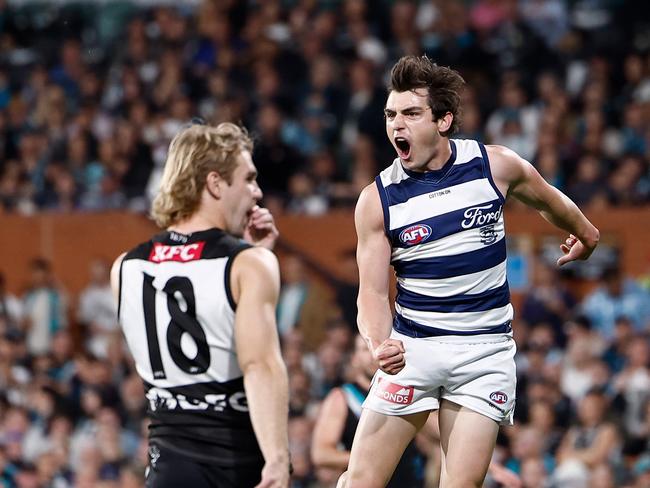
[(183, 253), (394, 393)]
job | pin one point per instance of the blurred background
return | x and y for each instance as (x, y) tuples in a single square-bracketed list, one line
[(91, 93)]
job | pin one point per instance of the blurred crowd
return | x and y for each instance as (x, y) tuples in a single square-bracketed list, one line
[(91, 94)]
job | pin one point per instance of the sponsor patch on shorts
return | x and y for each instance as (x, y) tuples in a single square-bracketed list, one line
[(394, 393), (498, 397)]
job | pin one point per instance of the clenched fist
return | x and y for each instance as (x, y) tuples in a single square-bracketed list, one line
[(390, 356)]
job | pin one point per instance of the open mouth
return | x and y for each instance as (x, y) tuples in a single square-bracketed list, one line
[(403, 147)]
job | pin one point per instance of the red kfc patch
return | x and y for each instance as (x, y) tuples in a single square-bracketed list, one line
[(394, 393), (182, 253)]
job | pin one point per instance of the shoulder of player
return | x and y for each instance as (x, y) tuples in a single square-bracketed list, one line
[(504, 161), (256, 260), (504, 154), (369, 194), (115, 268), (119, 259), (368, 208), (115, 275)]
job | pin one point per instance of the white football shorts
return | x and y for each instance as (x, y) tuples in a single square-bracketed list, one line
[(477, 372)]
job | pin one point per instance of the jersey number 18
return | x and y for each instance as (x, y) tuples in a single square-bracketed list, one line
[(182, 321)]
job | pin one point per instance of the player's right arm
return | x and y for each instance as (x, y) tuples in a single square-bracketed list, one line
[(115, 277), (373, 259), (255, 283), (328, 432)]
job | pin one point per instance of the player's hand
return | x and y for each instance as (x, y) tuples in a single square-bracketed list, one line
[(261, 229), (275, 475), (573, 250), (390, 356)]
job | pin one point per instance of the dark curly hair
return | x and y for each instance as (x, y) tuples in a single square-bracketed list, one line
[(444, 85)]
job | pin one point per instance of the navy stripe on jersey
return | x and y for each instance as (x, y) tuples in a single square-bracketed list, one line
[(412, 187), (384, 204), (119, 291), (411, 328), (487, 300), (226, 274), (444, 225), (433, 211), (488, 172), (456, 265)]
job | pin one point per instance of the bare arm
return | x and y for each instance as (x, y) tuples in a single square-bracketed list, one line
[(256, 283), (520, 179), (328, 431), (564, 450), (115, 277), (373, 258), (599, 449)]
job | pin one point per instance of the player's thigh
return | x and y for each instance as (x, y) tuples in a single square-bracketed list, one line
[(379, 442), (467, 440)]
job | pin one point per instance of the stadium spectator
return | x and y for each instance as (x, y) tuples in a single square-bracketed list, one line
[(633, 385), (97, 311), (11, 310), (617, 296), (592, 442), (548, 300), (45, 308)]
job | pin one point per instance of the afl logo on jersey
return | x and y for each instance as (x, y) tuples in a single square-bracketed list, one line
[(415, 234), (498, 397)]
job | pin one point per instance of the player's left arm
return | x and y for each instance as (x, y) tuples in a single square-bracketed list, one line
[(520, 179), (255, 282)]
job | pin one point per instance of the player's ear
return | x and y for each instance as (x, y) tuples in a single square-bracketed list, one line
[(214, 183), (444, 122)]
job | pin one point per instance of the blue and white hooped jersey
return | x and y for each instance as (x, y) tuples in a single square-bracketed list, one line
[(448, 246)]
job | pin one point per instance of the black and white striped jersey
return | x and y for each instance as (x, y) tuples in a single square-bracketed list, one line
[(178, 316)]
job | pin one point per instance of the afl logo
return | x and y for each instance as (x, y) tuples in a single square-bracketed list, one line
[(498, 397), (415, 234)]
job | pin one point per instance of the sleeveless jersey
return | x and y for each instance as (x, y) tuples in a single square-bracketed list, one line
[(448, 243), (177, 314), (410, 469)]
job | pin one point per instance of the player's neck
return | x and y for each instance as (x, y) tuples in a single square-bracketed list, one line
[(440, 156), (197, 222)]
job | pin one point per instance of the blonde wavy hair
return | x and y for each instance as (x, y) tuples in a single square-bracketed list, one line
[(193, 153)]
